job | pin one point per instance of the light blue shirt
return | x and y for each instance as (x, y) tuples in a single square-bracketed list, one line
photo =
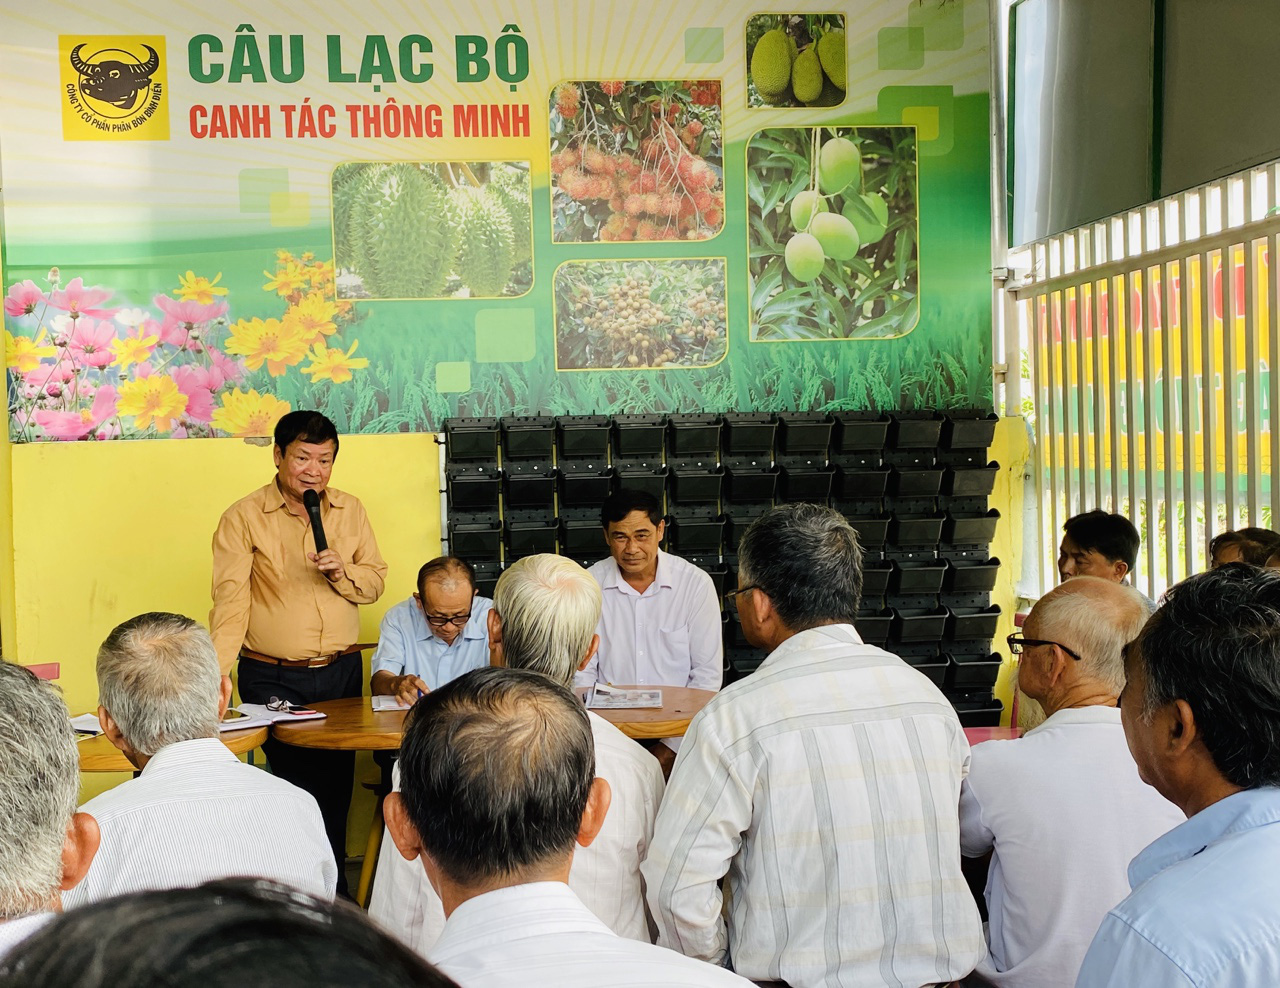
[(406, 644), (1204, 909)]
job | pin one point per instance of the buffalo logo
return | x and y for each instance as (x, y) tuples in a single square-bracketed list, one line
[(114, 87), (115, 80)]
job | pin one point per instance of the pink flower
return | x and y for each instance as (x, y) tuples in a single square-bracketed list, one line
[(189, 313), (60, 370), (79, 424), (198, 384), (232, 371), (81, 301), (90, 342), (23, 299)]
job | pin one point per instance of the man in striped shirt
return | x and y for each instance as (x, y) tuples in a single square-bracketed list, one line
[(824, 788)]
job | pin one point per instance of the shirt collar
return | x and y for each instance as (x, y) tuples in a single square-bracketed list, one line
[(273, 500), (518, 912), (1092, 714), (613, 576), (188, 752), (803, 641), (1239, 812), (14, 931)]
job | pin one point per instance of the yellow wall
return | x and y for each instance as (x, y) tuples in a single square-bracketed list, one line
[(104, 531), (1012, 450)]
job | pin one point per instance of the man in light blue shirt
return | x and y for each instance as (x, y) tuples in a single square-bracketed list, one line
[(1201, 712), (436, 635)]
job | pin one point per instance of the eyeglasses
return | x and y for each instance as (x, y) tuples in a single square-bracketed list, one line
[(731, 597), (277, 705), (1017, 643), (440, 621)]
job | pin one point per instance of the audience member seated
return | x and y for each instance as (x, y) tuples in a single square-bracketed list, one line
[(1099, 544), (224, 934), (499, 786), (435, 636), (823, 787), (45, 845), (1201, 711), (1245, 545), (660, 616), (545, 613), (196, 812), (1062, 810)]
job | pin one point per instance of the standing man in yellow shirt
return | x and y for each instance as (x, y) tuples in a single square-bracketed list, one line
[(289, 613)]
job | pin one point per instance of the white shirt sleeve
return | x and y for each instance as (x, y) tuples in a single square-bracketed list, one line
[(976, 838), (706, 637)]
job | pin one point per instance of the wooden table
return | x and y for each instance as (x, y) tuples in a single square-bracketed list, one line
[(98, 754), (351, 724)]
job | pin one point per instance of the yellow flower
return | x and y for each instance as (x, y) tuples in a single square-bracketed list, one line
[(152, 400), (333, 363), (289, 279), (24, 353), (132, 349), (307, 257), (313, 317), (283, 255), (197, 288), (278, 343), (321, 274), (246, 416)]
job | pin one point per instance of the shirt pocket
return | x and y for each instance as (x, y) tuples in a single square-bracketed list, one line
[(674, 641)]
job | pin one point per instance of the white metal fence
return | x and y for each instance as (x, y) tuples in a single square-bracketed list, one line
[(1148, 342)]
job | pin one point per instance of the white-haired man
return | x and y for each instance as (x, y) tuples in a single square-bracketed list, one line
[(45, 845), (196, 812), (1062, 810), (545, 611)]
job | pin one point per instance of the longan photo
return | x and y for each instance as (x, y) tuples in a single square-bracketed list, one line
[(833, 233), (638, 315), (795, 60), (638, 161)]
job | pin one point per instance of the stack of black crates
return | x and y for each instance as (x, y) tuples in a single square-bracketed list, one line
[(914, 485)]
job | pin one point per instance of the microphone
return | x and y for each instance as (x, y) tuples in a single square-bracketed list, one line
[(311, 501)]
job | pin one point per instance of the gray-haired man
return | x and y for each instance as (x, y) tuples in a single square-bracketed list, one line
[(195, 812), (45, 845), (824, 786)]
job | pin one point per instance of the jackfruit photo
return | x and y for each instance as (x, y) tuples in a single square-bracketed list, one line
[(795, 60)]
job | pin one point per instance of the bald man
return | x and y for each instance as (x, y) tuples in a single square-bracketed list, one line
[(1062, 810)]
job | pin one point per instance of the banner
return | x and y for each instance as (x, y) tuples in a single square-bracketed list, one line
[(399, 213)]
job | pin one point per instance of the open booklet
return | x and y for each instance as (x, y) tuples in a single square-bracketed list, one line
[(236, 719), (604, 697), (257, 714)]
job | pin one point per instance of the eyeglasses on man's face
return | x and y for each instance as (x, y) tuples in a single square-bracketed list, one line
[(1017, 642), (445, 620), (731, 596)]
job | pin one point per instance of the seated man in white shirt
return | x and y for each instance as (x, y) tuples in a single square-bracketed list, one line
[(1062, 810), (660, 617), (196, 812), (435, 635), (499, 785), (823, 788), (45, 845), (544, 617)]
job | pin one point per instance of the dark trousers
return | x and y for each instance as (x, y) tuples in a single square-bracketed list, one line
[(327, 775)]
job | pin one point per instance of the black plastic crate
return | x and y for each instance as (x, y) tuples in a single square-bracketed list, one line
[(749, 434), (529, 486), (638, 437), (582, 538), (528, 438), (933, 666), (696, 483), (916, 529), (979, 713), (695, 434), (875, 578), (976, 431), (471, 439), (749, 482), (805, 434), (696, 534), (973, 623), (583, 437), (915, 481), (912, 578), (652, 480), (857, 484), (872, 532), (972, 672), (858, 431), (475, 540), (874, 628), (918, 624), (487, 574), (741, 661), (915, 432), (719, 578), (473, 488), (807, 482), (525, 538), (970, 481), (964, 530), (584, 484), (971, 577)]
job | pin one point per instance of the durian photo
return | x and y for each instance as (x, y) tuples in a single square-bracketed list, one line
[(834, 233), (795, 60), (641, 315), (636, 161), (442, 229)]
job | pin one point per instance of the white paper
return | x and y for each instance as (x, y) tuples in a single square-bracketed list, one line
[(602, 697), (383, 702), (259, 711), (86, 724)]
